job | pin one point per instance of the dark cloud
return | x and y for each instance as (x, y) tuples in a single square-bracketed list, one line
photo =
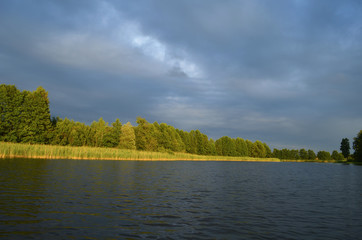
[(285, 72)]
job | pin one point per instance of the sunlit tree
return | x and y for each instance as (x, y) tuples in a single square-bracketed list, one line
[(112, 134), (127, 138), (268, 152), (241, 147), (11, 106), (258, 150), (225, 146), (145, 136), (249, 145), (99, 130)]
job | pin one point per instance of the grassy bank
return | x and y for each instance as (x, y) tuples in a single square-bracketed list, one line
[(19, 150)]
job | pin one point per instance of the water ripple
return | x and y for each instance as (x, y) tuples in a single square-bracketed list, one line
[(179, 200)]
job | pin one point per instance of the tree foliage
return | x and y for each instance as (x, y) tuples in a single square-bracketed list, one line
[(337, 156), (345, 147), (324, 155), (146, 136), (311, 155), (241, 147), (127, 137), (357, 146), (25, 117), (113, 134), (294, 154), (258, 150), (303, 154)]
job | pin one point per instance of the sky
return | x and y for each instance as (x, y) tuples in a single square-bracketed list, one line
[(286, 72)]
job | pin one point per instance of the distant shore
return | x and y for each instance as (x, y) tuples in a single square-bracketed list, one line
[(37, 151)]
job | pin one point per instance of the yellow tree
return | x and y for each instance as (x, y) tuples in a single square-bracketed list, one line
[(128, 138)]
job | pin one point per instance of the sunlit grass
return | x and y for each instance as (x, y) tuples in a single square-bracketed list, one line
[(19, 150)]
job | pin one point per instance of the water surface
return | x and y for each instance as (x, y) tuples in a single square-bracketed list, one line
[(70, 199)]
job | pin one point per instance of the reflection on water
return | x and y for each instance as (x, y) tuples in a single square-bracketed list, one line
[(61, 199)]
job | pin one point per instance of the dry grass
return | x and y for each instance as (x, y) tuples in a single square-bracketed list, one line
[(19, 150)]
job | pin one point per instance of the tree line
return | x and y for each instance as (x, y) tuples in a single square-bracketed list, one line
[(25, 117), (309, 154)]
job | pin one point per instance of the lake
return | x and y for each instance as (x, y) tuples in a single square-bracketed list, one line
[(80, 199)]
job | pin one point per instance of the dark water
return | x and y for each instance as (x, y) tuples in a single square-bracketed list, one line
[(65, 199)]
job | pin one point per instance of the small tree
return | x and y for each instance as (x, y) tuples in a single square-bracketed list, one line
[(345, 147)]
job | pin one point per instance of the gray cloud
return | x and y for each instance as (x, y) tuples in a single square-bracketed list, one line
[(285, 72)]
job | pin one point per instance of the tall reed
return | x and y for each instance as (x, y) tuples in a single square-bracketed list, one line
[(20, 150)]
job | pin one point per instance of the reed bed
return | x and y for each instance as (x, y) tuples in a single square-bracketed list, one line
[(20, 150)]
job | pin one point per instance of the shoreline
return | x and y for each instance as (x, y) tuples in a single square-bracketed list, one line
[(169, 159), (37, 151), (143, 159)]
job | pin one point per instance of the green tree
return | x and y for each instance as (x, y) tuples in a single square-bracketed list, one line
[(76, 138), (201, 142), (11, 104), (268, 152), (127, 137), (357, 146), (241, 147), (24, 116), (112, 134), (62, 132), (311, 155), (163, 136), (145, 136), (285, 154), (185, 138), (258, 150), (277, 153), (337, 156), (168, 138), (345, 147), (303, 154), (211, 148), (323, 155), (35, 117), (177, 143), (294, 154), (249, 145), (99, 130), (225, 146)]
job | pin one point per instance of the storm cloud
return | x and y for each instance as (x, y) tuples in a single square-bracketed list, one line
[(284, 72)]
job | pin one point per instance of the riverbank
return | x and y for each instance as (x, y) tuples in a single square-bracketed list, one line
[(38, 151), (19, 150)]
